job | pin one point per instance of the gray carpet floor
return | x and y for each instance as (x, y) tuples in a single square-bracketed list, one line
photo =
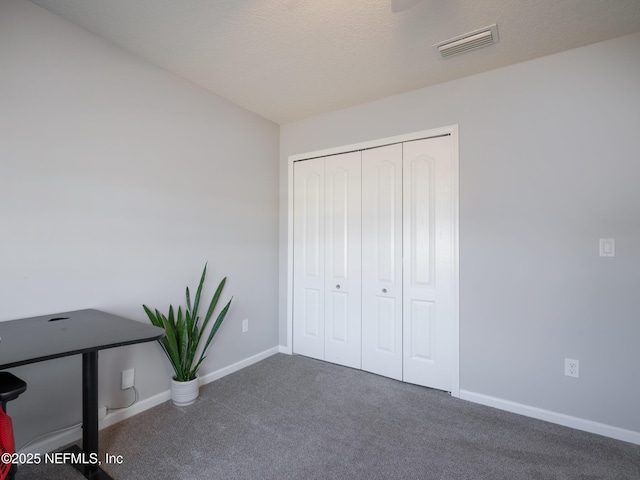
[(290, 417)]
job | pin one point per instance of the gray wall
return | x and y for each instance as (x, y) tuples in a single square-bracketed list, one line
[(548, 165), (118, 181)]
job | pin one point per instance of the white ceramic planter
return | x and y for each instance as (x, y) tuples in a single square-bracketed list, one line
[(184, 393)]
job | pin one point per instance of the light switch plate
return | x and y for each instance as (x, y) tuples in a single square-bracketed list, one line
[(607, 247)]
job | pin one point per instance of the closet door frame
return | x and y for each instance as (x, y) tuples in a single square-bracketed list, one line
[(451, 131)]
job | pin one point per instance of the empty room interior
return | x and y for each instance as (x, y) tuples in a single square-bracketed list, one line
[(429, 202)]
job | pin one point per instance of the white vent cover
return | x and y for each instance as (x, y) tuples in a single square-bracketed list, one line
[(468, 41)]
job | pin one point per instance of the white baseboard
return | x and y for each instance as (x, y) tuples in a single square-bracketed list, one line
[(54, 440), (553, 417), (57, 440), (210, 377)]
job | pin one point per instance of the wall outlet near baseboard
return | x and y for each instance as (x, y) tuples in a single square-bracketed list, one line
[(102, 412), (245, 325), (128, 377), (571, 367)]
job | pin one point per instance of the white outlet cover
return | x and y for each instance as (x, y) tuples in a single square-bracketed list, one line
[(571, 367), (128, 377), (607, 247)]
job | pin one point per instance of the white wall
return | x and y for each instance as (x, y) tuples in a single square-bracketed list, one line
[(118, 181), (548, 165)]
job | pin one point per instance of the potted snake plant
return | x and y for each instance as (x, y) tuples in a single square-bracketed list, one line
[(183, 340)]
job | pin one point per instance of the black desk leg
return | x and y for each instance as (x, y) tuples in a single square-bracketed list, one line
[(90, 420), (90, 402)]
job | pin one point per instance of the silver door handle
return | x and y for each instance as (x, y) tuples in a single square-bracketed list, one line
[(338, 286), (384, 290)]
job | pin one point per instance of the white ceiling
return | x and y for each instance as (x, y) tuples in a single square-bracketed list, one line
[(290, 59)]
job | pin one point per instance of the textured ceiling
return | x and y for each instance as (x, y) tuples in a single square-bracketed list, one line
[(290, 59)]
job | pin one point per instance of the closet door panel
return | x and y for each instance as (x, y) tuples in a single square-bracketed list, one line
[(309, 258), (382, 261), (343, 259), (428, 262)]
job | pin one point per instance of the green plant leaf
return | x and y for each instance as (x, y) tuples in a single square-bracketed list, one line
[(196, 302), (170, 343), (154, 320), (212, 305), (214, 329)]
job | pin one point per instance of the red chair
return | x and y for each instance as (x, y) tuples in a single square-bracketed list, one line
[(10, 388)]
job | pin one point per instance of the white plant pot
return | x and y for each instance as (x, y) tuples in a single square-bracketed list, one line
[(184, 393)]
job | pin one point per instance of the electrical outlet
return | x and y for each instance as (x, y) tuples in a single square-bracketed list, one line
[(245, 325), (128, 377), (607, 247), (102, 412), (571, 367)]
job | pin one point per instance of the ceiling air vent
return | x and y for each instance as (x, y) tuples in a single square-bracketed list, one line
[(468, 41)]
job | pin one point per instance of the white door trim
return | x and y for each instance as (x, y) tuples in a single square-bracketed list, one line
[(450, 130)]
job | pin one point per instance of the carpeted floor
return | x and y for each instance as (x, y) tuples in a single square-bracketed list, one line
[(290, 417)]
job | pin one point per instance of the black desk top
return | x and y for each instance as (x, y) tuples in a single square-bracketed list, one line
[(36, 339)]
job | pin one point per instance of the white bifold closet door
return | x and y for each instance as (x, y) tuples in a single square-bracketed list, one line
[(428, 262), (382, 261), (308, 258), (327, 259)]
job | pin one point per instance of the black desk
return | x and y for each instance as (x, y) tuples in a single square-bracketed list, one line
[(31, 340)]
